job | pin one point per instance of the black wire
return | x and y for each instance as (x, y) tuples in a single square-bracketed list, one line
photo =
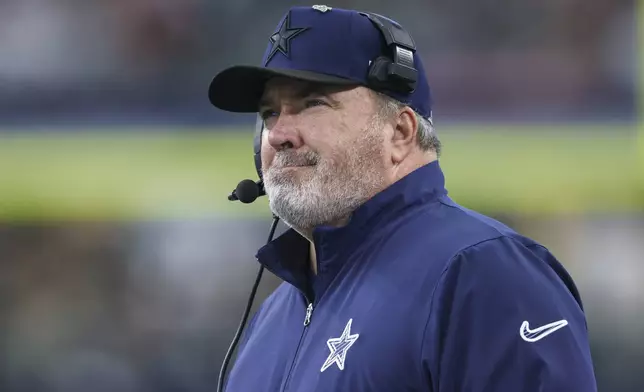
[(240, 329)]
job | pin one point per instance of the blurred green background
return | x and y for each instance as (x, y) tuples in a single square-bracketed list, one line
[(123, 266), (139, 174)]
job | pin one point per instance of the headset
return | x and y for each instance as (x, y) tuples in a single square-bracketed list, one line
[(394, 73)]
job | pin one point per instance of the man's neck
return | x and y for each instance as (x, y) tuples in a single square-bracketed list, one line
[(308, 234), (313, 258)]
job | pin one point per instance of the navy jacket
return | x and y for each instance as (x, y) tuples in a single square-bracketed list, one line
[(416, 293)]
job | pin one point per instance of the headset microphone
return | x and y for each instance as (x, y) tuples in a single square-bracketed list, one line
[(247, 191)]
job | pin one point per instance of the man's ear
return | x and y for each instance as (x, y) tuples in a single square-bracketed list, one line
[(403, 139)]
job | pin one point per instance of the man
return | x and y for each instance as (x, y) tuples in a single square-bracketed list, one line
[(389, 285)]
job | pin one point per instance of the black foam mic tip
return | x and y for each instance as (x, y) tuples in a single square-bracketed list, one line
[(247, 191)]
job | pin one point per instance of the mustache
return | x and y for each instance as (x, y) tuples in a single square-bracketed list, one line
[(292, 158)]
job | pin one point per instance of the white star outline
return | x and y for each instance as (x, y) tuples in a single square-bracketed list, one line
[(339, 347)]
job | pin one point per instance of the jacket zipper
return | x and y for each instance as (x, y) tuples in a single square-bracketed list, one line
[(307, 321)]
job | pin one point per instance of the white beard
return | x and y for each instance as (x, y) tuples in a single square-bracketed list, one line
[(328, 192)]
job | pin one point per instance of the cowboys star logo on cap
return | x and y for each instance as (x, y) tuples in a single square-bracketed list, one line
[(281, 40), (322, 8)]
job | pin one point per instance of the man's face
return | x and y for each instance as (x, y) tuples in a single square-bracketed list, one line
[(323, 151)]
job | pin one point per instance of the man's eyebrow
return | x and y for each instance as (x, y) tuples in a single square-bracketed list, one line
[(316, 90)]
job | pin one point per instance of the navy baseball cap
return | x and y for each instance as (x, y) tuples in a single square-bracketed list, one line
[(318, 44)]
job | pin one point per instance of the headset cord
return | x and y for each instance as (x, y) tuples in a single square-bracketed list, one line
[(240, 328)]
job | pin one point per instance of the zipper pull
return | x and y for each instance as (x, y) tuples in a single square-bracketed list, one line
[(309, 311)]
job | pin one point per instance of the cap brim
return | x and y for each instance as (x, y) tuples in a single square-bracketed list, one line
[(239, 88)]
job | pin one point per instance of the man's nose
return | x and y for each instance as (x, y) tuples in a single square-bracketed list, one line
[(284, 134)]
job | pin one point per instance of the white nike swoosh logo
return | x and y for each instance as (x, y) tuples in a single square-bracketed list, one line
[(532, 335)]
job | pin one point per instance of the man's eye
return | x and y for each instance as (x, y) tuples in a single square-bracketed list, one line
[(314, 102), (266, 114)]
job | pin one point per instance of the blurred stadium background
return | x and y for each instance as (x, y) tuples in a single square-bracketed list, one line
[(123, 267)]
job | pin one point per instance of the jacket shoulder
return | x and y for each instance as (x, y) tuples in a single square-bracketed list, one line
[(456, 228)]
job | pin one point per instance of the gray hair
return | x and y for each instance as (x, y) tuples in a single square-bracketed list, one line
[(426, 135)]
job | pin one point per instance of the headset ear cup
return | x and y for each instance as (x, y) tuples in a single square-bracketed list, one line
[(378, 71)]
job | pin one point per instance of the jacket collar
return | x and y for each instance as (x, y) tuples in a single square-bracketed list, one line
[(287, 255)]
